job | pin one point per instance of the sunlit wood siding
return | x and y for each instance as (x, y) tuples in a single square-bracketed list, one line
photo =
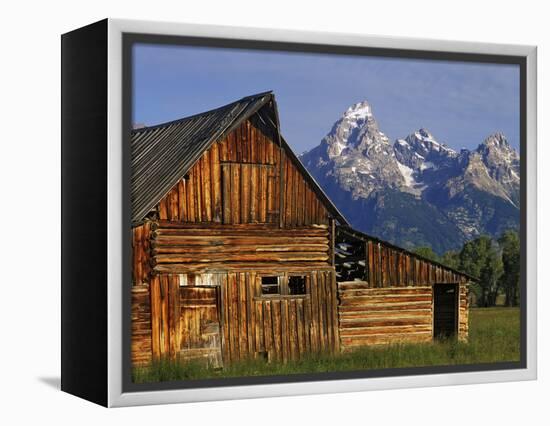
[(251, 325), (376, 316), (181, 248), (141, 250), (463, 312), (381, 265), (391, 315), (245, 178), (141, 325)]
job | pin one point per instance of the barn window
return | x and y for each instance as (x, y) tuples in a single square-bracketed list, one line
[(270, 285), (297, 284), (284, 285)]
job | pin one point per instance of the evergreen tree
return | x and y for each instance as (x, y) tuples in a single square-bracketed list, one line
[(510, 246), (451, 259), (427, 252), (480, 258), (491, 273)]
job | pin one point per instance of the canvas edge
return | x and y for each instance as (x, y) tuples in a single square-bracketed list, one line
[(116, 396)]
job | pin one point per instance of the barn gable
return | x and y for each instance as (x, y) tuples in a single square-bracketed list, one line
[(198, 168)]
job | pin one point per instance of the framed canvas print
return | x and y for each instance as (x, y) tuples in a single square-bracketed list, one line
[(251, 212)]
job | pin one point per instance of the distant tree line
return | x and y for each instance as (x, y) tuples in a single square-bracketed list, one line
[(495, 262)]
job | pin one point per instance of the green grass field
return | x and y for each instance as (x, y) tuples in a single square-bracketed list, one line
[(494, 337)]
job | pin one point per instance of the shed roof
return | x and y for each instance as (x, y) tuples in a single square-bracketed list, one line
[(365, 237), (163, 154)]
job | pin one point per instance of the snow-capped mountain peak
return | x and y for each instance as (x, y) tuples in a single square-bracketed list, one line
[(356, 129), (497, 139), (423, 134), (359, 111), (496, 151), (420, 151), (417, 189), (357, 152)]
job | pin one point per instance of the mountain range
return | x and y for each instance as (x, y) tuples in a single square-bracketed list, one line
[(416, 191)]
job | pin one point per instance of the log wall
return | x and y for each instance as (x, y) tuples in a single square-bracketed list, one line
[(377, 316), (463, 312), (196, 248), (141, 259), (244, 178), (370, 316)]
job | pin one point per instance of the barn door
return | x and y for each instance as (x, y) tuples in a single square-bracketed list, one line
[(445, 310), (200, 325)]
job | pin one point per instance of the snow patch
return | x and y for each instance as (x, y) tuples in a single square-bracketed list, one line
[(340, 147), (428, 165), (360, 110), (407, 173)]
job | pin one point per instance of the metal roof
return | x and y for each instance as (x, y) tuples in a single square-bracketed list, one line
[(163, 154)]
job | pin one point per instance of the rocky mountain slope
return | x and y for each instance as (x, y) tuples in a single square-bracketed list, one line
[(416, 191)]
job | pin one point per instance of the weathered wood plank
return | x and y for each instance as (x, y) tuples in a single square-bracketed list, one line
[(225, 318), (250, 315), (220, 267), (360, 300), (300, 324), (226, 191), (165, 329), (244, 324), (268, 328), (418, 337), (233, 312), (259, 327), (241, 257), (285, 337), (277, 329), (321, 301), (315, 320), (292, 330)]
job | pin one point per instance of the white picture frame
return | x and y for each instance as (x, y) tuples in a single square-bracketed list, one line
[(116, 393)]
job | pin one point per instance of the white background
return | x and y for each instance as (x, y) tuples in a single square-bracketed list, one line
[(30, 209)]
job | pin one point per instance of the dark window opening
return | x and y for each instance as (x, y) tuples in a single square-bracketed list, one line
[(350, 258), (270, 285), (297, 284)]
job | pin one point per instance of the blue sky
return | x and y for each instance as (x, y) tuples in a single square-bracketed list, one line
[(459, 103)]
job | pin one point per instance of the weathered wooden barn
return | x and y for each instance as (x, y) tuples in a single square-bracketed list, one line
[(238, 253)]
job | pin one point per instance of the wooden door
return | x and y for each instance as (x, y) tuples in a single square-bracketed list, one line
[(445, 310), (200, 325)]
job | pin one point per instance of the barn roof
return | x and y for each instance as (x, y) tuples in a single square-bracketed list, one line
[(163, 154)]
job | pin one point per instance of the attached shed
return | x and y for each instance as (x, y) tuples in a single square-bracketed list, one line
[(238, 253), (388, 294)]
